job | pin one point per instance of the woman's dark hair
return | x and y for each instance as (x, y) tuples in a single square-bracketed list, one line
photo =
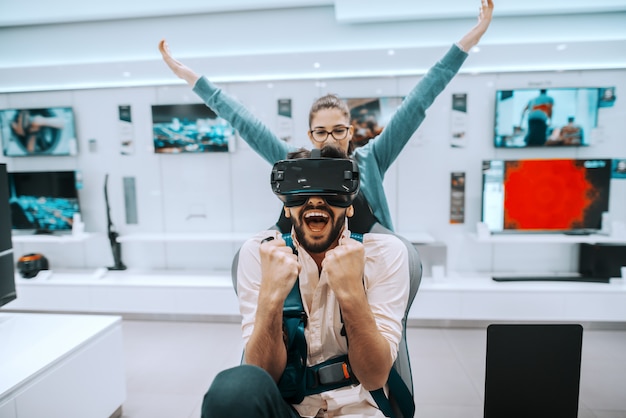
[(329, 101), (327, 151)]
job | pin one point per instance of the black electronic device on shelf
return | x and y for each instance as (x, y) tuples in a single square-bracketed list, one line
[(116, 247), (7, 272), (552, 278)]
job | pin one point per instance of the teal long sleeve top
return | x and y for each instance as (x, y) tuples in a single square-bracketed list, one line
[(375, 157)]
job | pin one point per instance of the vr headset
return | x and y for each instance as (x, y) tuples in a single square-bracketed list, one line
[(336, 180)]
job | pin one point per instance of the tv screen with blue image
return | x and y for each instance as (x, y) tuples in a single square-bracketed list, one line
[(190, 128), (43, 131), (548, 117), (43, 202)]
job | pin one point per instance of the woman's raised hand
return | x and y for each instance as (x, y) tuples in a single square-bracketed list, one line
[(178, 68)]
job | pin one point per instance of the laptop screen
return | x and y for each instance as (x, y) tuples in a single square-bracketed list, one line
[(532, 370)]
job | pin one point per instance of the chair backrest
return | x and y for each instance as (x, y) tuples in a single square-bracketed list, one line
[(402, 363), (533, 370)]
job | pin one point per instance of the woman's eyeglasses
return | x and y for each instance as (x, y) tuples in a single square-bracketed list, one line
[(339, 133)]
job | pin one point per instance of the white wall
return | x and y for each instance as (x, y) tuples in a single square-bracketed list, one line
[(233, 192)]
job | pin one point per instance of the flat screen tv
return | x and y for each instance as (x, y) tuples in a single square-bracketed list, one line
[(368, 116), (547, 117), (7, 274), (190, 128), (44, 201), (42, 131), (550, 195)]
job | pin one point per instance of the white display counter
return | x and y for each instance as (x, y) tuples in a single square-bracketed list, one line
[(458, 296), (55, 365)]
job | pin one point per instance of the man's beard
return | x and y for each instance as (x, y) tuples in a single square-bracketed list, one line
[(316, 247)]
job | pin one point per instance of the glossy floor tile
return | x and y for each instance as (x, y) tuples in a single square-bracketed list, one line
[(170, 365)]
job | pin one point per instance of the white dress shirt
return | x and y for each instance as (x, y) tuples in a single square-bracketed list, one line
[(386, 281)]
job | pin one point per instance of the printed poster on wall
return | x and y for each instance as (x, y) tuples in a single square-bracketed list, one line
[(127, 146), (457, 198), (285, 122), (458, 122)]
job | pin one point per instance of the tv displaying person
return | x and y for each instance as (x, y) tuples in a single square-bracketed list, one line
[(570, 134), (37, 130), (539, 112)]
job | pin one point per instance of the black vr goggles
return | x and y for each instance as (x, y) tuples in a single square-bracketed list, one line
[(336, 180)]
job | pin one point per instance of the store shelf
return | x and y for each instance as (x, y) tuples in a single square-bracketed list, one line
[(54, 239), (477, 297), (186, 237), (210, 294), (546, 238), (414, 237), (417, 237), (132, 291)]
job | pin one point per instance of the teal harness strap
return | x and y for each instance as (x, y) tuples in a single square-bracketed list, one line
[(399, 392), (292, 383), (298, 380)]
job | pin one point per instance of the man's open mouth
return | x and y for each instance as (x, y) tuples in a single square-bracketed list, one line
[(316, 220)]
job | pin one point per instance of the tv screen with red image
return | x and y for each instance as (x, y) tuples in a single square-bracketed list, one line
[(550, 195)]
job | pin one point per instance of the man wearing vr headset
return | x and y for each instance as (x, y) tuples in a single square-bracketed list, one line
[(354, 295)]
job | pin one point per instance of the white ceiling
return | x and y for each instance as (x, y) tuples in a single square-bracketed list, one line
[(71, 44)]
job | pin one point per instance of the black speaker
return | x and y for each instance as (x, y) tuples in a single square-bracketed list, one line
[(5, 211), (601, 260)]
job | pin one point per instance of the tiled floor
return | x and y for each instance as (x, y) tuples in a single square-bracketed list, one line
[(170, 365)]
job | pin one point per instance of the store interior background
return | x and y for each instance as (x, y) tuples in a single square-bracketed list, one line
[(97, 57)]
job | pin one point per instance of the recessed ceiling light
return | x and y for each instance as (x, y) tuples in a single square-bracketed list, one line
[(270, 85), (391, 52), (476, 49), (561, 47), (126, 74), (316, 65)]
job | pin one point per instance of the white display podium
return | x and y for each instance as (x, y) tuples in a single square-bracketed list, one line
[(55, 365)]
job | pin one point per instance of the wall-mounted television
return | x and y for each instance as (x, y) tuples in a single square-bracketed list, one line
[(190, 128), (369, 116), (547, 117), (550, 195), (42, 131), (43, 201)]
